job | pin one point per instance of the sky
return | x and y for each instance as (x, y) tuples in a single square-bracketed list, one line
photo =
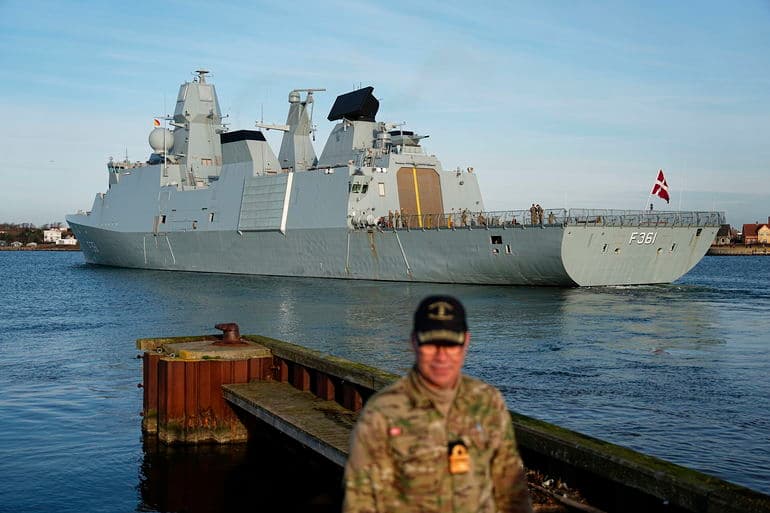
[(569, 104)]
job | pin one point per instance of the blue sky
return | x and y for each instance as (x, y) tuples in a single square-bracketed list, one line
[(567, 104)]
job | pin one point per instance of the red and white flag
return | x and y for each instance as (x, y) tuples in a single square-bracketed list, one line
[(660, 189), (156, 122)]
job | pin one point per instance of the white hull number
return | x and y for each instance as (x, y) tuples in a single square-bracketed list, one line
[(643, 237)]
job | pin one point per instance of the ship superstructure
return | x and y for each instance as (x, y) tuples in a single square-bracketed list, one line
[(375, 205)]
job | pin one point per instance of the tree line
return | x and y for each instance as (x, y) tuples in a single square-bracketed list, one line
[(24, 232)]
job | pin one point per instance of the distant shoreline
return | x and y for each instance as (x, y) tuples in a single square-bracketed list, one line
[(48, 247), (739, 250)]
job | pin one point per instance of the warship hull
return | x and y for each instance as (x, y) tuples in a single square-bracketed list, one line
[(564, 256)]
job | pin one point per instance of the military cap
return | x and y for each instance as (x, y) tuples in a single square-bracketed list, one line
[(440, 320)]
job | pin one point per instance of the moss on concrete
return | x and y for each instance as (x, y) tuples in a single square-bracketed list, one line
[(364, 375), (152, 344)]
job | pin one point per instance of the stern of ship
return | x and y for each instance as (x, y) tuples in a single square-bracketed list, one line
[(635, 247)]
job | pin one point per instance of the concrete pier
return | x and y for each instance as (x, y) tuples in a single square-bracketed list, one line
[(313, 398)]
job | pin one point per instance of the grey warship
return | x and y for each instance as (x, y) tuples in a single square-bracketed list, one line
[(374, 206)]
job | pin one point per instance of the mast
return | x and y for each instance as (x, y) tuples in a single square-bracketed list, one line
[(297, 153)]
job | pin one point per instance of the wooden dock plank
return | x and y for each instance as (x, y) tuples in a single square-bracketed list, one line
[(323, 426)]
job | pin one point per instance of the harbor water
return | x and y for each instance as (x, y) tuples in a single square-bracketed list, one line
[(679, 371)]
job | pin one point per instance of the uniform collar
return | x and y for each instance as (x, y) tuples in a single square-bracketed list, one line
[(424, 397)]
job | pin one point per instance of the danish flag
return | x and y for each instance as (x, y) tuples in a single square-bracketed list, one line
[(660, 189), (156, 122)]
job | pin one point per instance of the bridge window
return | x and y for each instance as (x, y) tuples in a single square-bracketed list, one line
[(163, 219), (364, 188), (356, 187), (381, 188)]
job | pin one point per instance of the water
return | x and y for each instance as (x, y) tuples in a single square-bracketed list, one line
[(678, 371)]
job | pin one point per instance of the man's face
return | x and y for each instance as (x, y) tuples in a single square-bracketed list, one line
[(440, 365)]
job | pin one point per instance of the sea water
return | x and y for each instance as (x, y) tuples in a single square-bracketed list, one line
[(679, 371)]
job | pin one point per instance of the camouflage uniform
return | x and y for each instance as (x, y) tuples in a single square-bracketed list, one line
[(399, 453)]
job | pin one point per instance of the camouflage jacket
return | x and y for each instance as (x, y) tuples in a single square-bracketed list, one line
[(399, 453)]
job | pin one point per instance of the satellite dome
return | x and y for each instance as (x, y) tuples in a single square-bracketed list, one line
[(161, 140)]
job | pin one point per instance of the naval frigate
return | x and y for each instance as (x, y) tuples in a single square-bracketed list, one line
[(374, 206)]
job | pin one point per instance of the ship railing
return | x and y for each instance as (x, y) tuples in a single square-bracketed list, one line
[(549, 217), (643, 218), (465, 219)]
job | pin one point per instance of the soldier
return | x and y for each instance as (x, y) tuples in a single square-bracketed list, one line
[(436, 440), (533, 214), (539, 210)]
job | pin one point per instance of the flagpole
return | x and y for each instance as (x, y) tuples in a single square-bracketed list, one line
[(681, 192), (649, 197)]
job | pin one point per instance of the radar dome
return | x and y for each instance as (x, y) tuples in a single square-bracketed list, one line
[(161, 140)]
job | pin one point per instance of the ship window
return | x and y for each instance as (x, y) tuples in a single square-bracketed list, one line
[(356, 187), (617, 250), (364, 188), (195, 225), (604, 249), (697, 234), (496, 239), (163, 219), (381, 188), (507, 249), (673, 246), (206, 162), (495, 251), (211, 217)]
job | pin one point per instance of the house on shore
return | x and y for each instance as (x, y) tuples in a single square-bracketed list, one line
[(51, 235), (756, 233), (725, 236)]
